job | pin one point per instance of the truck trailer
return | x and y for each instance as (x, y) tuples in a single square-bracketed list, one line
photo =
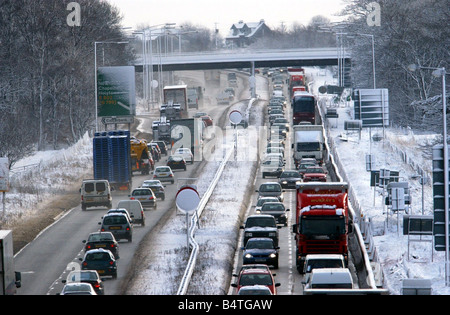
[(322, 220), (309, 142), (10, 279)]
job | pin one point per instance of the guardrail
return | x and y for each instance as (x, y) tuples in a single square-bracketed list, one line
[(193, 227), (355, 215)]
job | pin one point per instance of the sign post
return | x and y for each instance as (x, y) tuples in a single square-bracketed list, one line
[(187, 201), (235, 119)]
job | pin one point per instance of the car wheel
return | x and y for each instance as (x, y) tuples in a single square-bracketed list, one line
[(163, 197), (114, 276), (172, 182), (83, 207), (130, 239)]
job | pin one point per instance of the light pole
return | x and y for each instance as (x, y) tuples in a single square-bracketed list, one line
[(96, 83), (441, 72)]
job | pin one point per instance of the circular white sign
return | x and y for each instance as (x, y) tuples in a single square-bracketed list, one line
[(235, 117), (187, 199)]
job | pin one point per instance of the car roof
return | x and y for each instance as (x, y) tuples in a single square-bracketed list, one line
[(256, 270), (324, 256), (260, 216)]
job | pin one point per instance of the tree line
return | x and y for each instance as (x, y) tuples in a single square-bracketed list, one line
[(47, 71), (410, 32)]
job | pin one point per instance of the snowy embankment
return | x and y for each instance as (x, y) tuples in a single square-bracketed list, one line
[(402, 151), (46, 174)]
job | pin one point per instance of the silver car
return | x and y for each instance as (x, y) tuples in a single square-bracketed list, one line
[(164, 174)]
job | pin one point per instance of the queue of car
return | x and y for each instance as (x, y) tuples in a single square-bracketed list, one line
[(260, 250), (101, 248)]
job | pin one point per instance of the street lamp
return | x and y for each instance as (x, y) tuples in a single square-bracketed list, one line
[(95, 70), (441, 72)]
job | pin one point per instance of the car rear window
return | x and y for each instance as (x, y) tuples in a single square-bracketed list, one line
[(141, 192), (252, 279), (115, 220), (101, 186), (89, 187), (97, 256)]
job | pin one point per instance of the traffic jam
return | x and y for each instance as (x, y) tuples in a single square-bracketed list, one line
[(294, 161)]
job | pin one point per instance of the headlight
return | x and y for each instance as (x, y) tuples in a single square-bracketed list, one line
[(284, 182), (248, 256), (258, 211), (272, 234), (273, 255), (248, 234)]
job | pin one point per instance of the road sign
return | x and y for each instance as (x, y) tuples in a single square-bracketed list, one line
[(235, 117), (116, 91), (118, 120), (187, 200)]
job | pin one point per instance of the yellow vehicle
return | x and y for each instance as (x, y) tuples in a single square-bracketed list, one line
[(141, 159)]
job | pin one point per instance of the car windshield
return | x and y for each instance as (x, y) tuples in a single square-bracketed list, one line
[(116, 219), (260, 221), (315, 170), (289, 174), (272, 207), (259, 244), (251, 279), (100, 237), (270, 188)]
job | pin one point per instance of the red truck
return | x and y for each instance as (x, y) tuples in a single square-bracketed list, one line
[(296, 78), (322, 221)]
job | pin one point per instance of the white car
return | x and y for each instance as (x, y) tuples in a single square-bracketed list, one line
[(186, 153)]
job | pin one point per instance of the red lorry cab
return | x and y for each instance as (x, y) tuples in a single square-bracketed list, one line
[(322, 221)]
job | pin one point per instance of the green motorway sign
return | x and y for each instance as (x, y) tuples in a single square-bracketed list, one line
[(116, 91)]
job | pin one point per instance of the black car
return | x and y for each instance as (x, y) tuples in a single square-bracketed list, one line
[(101, 260), (105, 240), (289, 179), (277, 210), (260, 250), (176, 162), (260, 225), (162, 147)]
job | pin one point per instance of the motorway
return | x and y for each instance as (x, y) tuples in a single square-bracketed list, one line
[(56, 251)]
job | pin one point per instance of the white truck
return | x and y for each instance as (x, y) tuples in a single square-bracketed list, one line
[(10, 279), (309, 142)]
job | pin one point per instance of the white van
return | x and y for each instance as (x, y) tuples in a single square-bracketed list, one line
[(95, 193), (329, 278), (135, 209)]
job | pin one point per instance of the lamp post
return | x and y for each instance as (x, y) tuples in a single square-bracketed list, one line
[(441, 72), (96, 83)]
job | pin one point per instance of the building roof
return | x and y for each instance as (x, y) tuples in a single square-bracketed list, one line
[(242, 29)]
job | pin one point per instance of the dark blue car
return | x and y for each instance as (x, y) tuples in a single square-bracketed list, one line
[(101, 260), (261, 250)]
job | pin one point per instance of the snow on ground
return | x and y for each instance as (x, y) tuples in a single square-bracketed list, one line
[(53, 171)]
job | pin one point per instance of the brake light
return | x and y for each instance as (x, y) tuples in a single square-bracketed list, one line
[(131, 198), (97, 285), (85, 264), (103, 229), (111, 262), (112, 245), (88, 246), (150, 198), (171, 175), (128, 228)]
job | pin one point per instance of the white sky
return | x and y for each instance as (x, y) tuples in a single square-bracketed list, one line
[(206, 13)]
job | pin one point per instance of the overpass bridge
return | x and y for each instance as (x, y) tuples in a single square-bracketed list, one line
[(231, 59)]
